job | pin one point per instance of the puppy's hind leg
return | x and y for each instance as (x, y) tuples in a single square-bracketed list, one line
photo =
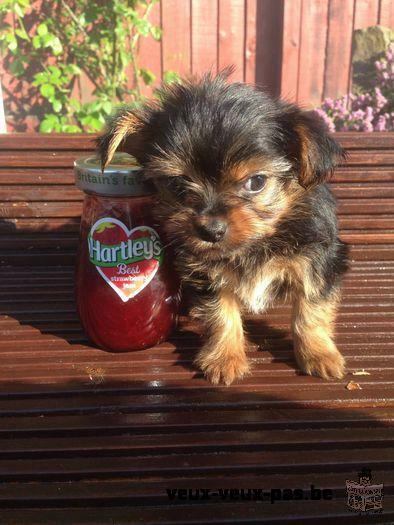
[(223, 357), (315, 350)]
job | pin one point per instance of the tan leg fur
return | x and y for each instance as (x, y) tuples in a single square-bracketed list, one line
[(223, 357)]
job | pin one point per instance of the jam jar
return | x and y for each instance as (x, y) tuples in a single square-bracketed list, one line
[(127, 293)]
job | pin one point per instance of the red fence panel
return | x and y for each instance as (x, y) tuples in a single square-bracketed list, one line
[(300, 49), (317, 44)]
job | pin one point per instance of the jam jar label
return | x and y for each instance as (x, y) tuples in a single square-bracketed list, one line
[(126, 259)]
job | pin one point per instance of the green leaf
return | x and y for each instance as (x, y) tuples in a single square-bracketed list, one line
[(147, 76), (57, 46), (142, 26), (13, 45), (73, 69), (75, 104), (17, 68), (95, 124), (42, 29), (156, 32), (107, 107), (57, 105), (70, 128), (47, 90), (47, 39), (170, 77), (36, 42), (40, 78), (55, 71), (22, 34), (17, 10), (95, 106), (48, 124)]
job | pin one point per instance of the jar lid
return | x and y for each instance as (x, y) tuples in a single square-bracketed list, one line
[(122, 177)]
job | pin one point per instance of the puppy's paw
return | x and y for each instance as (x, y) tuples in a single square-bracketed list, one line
[(328, 365), (223, 368)]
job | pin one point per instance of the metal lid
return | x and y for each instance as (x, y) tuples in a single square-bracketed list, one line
[(122, 177)]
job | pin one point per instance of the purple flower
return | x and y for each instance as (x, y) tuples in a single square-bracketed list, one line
[(326, 119), (366, 111), (380, 125)]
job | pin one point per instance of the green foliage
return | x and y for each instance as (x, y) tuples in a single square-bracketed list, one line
[(59, 42)]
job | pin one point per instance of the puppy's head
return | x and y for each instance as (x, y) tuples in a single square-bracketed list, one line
[(229, 162)]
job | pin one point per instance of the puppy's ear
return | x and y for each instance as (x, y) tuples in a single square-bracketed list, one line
[(127, 125), (313, 151)]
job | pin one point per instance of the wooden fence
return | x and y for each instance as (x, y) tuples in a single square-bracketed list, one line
[(300, 49), (317, 42)]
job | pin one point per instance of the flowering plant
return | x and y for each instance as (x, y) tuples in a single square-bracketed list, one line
[(367, 111)]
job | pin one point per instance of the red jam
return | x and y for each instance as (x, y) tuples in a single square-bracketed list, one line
[(126, 291)]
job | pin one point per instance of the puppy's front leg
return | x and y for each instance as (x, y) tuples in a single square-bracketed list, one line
[(315, 351), (223, 357)]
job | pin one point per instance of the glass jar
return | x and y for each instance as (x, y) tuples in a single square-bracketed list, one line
[(126, 291)]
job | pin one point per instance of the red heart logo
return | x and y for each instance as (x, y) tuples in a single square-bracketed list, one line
[(126, 259)]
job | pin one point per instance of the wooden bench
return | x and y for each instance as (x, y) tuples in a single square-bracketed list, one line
[(92, 437)]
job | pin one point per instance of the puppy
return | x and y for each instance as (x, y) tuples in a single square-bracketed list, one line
[(241, 178)]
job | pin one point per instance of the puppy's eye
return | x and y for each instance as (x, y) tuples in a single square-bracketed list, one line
[(254, 184)]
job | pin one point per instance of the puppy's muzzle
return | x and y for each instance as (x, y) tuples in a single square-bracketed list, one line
[(210, 229)]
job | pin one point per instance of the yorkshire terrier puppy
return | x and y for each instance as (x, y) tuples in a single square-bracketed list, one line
[(241, 178)]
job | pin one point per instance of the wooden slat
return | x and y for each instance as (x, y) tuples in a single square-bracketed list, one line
[(346, 206), (358, 223), (64, 225), (183, 421), (34, 141), (202, 463), (353, 140), (41, 193), (291, 50), (366, 13), (40, 209), (386, 14), (52, 193), (269, 21), (365, 206), (362, 190), (45, 176), (85, 142), (121, 490), (38, 175), (374, 157), (37, 159), (338, 48), (312, 51), (360, 252), (69, 240), (150, 52), (231, 36), (324, 512), (250, 41), (204, 20), (370, 174), (176, 41)]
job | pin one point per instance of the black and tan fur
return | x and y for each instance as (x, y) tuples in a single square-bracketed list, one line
[(205, 143)]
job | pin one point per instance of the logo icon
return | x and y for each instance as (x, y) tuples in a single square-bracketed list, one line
[(126, 259), (362, 496)]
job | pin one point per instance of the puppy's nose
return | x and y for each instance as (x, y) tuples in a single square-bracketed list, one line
[(210, 229)]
